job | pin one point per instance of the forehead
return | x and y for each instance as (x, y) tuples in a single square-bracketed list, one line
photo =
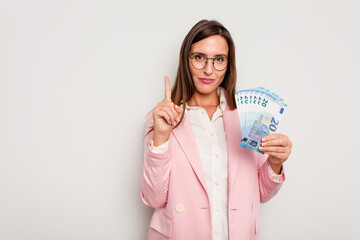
[(211, 46)]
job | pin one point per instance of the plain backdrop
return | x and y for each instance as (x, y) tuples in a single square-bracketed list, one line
[(78, 77)]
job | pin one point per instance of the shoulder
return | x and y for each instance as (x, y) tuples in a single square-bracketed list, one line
[(149, 121), (149, 115)]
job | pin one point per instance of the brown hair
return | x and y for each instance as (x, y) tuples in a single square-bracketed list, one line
[(184, 87)]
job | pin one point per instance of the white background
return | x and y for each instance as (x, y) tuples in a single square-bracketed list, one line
[(78, 77)]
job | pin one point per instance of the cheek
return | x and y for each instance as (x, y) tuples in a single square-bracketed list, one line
[(221, 75), (194, 72)]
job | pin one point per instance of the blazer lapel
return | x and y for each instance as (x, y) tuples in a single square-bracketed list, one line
[(233, 137), (185, 137)]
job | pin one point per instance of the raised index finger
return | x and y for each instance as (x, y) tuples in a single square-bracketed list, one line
[(167, 89)]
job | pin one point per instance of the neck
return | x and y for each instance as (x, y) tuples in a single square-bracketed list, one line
[(201, 100)]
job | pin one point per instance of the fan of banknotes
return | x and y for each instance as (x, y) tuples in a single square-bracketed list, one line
[(260, 113)]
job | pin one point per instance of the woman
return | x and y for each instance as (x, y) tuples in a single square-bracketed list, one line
[(200, 182)]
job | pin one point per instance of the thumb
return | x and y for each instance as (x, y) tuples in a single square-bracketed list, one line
[(178, 108)]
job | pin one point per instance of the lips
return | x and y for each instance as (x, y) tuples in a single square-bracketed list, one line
[(206, 80)]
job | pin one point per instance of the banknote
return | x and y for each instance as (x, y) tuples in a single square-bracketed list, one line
[(260, 113)]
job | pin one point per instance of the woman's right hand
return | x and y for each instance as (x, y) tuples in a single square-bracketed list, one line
[(165, 115)]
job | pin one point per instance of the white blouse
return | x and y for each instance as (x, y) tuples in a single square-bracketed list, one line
[(211, 142)]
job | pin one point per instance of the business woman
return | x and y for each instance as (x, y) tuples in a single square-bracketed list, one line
[(201, 184)]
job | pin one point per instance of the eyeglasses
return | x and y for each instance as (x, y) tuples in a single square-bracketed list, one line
[(199, 62)]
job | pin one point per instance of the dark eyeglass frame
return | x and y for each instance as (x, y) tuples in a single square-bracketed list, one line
[(206, 61)]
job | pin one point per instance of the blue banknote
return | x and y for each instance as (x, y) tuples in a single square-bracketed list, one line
[(260, 113)]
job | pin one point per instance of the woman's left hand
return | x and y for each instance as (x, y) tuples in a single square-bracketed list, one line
[(278, 146)]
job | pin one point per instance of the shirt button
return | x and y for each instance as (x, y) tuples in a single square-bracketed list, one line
[(217, 155), (179, 208), (217, 183), (211, 134)]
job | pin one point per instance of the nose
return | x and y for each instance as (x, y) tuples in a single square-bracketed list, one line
[(208, 69)]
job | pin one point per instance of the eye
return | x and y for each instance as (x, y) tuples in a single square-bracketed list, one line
[(199, 58), (220, 59)]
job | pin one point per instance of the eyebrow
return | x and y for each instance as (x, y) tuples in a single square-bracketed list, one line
[(217, 55)]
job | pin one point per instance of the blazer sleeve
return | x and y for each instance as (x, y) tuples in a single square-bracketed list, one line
[(156, 172), (268, 186)]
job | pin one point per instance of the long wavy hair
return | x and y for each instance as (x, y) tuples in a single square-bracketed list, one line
[(184, 87)]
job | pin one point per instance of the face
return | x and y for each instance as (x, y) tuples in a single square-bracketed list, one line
[(208, 79)]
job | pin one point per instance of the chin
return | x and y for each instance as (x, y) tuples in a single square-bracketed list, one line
[(206, 89)]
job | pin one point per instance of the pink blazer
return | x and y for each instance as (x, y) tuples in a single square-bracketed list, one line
[(174, 184)]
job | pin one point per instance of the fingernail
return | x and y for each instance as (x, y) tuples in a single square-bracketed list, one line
[(263, 144), (261, 148), (178, 119)]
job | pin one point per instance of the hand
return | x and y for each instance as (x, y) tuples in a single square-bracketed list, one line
[(278, 146), (165, 115)]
